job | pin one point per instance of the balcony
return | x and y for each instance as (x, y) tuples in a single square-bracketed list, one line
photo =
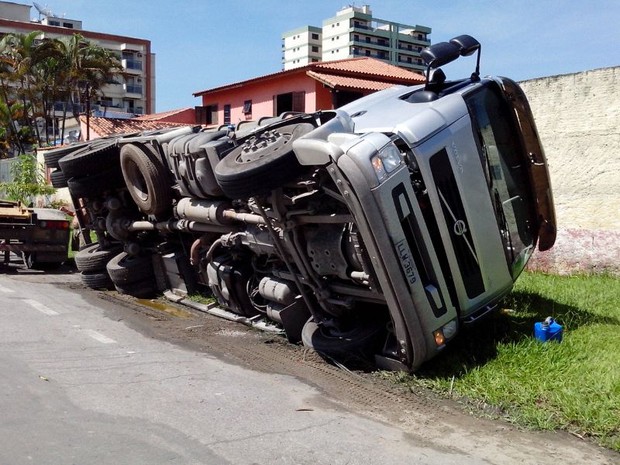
[(131, 48), (134, 90), (132, 66), (384, 45), (405, 39), (368, 53)]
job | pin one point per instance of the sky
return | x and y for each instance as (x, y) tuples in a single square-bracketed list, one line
[(201, 44)]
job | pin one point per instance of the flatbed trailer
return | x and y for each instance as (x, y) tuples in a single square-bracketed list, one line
[(40, 236)]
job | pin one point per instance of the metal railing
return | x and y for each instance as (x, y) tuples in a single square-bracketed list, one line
[(133, 64), (134, 89)]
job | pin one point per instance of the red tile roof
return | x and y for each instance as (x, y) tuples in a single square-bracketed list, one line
[(368, 67), (163, 115), (345, 82), (364, 68), (100, 127)]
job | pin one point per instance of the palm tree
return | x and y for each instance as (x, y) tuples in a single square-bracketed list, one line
[(8, 97), (39, 72), (23, 53), (89, 68)]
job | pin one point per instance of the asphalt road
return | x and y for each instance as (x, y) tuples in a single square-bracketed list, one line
[(82, 383)]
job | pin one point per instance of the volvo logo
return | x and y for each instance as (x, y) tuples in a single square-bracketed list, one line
[(459, 227)]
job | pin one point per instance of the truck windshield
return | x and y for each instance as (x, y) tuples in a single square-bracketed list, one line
[(503, 161)]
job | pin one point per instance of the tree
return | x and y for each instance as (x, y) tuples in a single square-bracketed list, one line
[(11, 135), (28, 180), (22, 54), (88, 68), (40, 72)]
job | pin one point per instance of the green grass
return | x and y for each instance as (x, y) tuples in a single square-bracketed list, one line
[(201, 299), (574, 385)]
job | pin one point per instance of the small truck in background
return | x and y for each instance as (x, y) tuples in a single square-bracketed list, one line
[(40, 236), (377, 230)]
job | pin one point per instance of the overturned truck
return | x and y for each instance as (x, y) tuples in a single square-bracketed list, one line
[(375, 230)]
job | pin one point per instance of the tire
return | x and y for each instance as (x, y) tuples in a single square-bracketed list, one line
[(30, 260), (126, 269), (94, 258), (262, 163), (147, 179), (52, 157), (141, 289), (96, 184), (58, 179), (96, 280), (359, 343), (90, 159)]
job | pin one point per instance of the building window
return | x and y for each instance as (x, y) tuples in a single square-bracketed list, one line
[(227, 113), (315, 49), (247, 107), (212, 114), (206, 114), (291, 101), (315, 36)]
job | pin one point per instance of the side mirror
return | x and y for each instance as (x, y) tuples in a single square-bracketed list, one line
[(440, 54), (467, 45), (445, 52)]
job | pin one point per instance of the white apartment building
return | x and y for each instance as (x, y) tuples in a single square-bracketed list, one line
[(353, 32), (301, 46), (134, 92)]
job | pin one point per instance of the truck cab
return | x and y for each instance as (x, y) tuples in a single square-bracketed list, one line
[(451, 192)]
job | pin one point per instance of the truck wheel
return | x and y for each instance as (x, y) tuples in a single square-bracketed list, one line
[(140, 289), (125, 269), (94, 258), (58, 179), (51, 157), (96, 279), (358, 343), (30, 260), (95, 184), (146, 179), (264, 162), (90, 159)]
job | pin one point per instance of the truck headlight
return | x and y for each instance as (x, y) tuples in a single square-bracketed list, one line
[(386, 161)]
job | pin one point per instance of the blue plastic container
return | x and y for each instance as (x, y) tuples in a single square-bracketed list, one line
[(548, 330)]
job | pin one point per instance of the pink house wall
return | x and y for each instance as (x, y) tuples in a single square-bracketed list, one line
[(262, 93), (187, 116)]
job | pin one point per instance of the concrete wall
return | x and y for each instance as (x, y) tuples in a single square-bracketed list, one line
[(578, 119)]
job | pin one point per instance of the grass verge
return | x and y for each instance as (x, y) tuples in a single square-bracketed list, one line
[(574, 385)]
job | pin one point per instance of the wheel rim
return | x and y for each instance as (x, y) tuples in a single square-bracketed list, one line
[(266, 143)]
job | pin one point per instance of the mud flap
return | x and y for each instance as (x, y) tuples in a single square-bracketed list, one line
[(293, 317)]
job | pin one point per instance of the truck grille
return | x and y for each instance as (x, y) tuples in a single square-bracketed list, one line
[(458, 226)]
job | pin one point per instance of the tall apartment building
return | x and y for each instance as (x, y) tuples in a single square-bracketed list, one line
[(353, 32), (134, 92)]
